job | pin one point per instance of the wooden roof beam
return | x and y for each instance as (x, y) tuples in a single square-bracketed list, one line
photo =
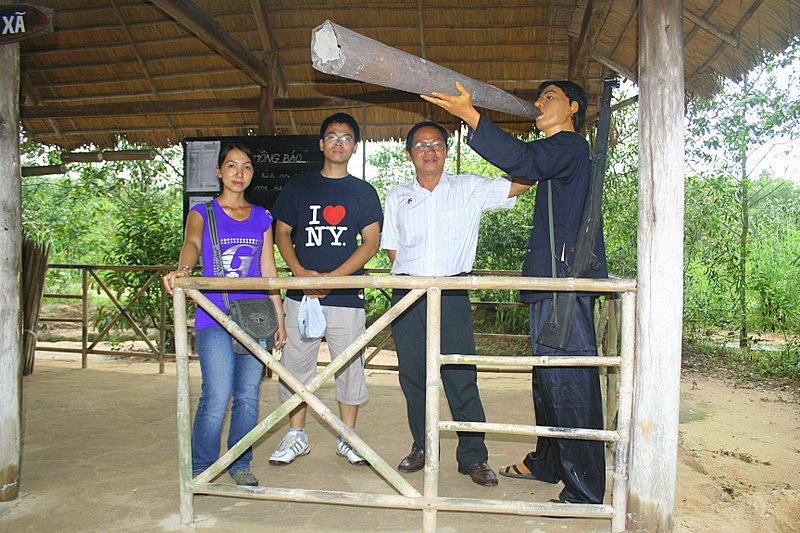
[(619, 68), (267, 35), (189, 15), (139, 59), (202, 106), (593, 19), (750, 13), (711, 28)]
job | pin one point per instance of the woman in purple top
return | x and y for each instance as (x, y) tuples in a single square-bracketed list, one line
[(246, 248)]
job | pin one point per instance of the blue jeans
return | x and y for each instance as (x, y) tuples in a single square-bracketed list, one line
[(225, 374)]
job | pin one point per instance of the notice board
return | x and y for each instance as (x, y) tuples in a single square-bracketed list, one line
[(276, 159)]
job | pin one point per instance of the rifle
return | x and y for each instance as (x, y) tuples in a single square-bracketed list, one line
[(556, 331)]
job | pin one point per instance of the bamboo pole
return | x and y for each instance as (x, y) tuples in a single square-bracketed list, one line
[(534, 360), (619, 495), (34, 273), (184, 411), (359, 499), (410, 282), (533, 431), (342, 52), (85, 318), (433, 346), (162, 329)]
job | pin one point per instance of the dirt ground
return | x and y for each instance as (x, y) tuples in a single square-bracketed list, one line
[(100, 454)]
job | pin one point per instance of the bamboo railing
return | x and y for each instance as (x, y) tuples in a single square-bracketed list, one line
[(408, 497), (91, 273), (157, 349)]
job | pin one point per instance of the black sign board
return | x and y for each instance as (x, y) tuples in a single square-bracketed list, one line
[(20, 21), (276, 159)]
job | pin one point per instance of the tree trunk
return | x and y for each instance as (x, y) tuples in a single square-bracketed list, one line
[(744, 186)]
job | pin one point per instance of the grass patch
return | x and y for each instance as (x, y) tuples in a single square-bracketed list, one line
[(779, 366)]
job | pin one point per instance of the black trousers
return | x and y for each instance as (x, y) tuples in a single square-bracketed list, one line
[(460, 381), (569, 397)]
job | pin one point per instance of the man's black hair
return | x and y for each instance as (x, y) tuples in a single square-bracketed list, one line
[(426, 124), (341, 118), (575, 93)]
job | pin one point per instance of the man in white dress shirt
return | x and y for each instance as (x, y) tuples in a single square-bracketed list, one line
[(431, 229)]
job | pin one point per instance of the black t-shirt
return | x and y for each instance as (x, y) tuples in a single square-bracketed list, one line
[(326, 216)]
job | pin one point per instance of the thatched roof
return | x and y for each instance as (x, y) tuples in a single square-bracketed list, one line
[(163, 70)]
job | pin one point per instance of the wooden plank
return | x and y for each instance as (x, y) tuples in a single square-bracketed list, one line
[(266, 112), (267, 35), (10, 268), (712, 29), (653, 465), (189, 15), (593, 20), (191, 106)]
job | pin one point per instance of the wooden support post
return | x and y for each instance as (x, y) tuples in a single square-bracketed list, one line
[(266, 112), (84, 317), (10, 272), (653, 465)]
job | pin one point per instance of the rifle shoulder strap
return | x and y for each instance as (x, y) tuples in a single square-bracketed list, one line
[(553, 271)]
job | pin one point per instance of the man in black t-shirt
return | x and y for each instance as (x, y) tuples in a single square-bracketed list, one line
[(562, 396), (319, 217)]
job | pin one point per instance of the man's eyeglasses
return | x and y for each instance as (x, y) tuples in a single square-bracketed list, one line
[(333, 138), (423, 147)]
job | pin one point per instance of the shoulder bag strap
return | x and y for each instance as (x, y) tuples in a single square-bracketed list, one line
[(214, 237)]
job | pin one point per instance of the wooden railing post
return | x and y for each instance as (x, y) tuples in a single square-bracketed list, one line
[(84, 317)]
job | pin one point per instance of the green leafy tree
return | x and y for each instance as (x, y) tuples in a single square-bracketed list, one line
[(725, 131)]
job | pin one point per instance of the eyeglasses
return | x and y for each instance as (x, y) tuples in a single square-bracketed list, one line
[(423, 147), (333, 138)]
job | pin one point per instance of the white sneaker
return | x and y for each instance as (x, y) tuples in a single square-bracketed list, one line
[(344, 449), (293, 445)]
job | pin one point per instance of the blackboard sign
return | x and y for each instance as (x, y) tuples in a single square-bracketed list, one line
[(276, 159)]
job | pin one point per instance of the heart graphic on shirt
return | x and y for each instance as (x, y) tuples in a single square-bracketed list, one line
[(333, 214)]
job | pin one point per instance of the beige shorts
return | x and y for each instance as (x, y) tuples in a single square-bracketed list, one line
[(343, 325)]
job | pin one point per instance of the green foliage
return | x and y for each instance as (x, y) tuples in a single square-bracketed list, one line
[(620, 191), (120, 213), (721, 246)]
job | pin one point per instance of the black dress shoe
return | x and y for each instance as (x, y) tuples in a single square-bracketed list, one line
[(413, 462), (481, 474)]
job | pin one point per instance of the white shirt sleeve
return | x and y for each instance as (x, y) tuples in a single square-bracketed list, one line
[(492, 193)]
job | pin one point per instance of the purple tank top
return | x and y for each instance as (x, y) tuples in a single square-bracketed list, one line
[(241, 246)]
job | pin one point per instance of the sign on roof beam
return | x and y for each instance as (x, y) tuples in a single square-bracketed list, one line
[(20, 21), (339, 51), (97, 157), (48, 170)]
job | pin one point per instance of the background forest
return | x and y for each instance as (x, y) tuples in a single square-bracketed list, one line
[(742, 229)]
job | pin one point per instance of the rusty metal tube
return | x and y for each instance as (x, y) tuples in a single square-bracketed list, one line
[(342, 52)]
